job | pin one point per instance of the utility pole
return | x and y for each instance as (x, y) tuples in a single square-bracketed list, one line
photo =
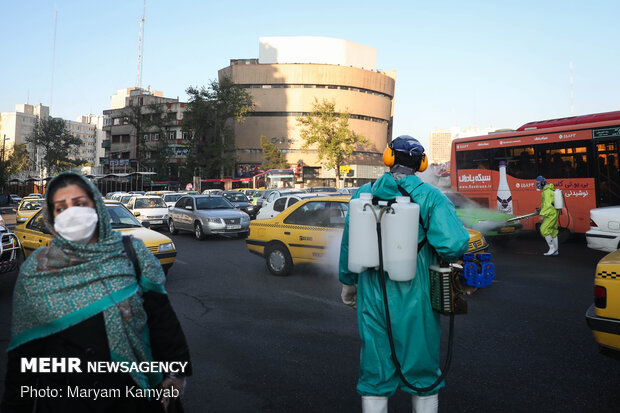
[(141, 46), (3, 145)]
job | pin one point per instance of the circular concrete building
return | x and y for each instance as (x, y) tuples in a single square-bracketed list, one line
[(290, 75)]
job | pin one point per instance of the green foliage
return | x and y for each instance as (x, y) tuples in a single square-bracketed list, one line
[(148, 119), (209, 119), (13, 162), (273, 158), (57, 146), (329, 133)]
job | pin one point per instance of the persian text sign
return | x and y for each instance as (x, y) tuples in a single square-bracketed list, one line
[(508, 141), (474, 179)]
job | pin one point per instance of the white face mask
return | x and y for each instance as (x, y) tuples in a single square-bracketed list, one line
[(76, 223)]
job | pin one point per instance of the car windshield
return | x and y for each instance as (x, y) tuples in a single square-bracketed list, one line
[(236, 197), (120, 217), (31, 205), (213, 203), (171, 198), (150, 203), (125, 199), (461, 201)]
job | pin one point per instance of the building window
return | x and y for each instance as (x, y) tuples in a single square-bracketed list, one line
[(172, 134), (125, 138), (116, 138), (125, 155), (116, 121), (185, 135), (125, 120), (145, 137), (155, 136)]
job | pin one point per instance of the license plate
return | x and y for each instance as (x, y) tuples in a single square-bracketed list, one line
[(233, 227), (156, 221), (508, 229)]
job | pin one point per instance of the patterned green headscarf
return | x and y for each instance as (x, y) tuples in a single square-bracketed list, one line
[(69, 282)]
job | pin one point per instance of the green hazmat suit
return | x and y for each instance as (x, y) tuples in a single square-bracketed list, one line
[(416, 327), (550, 215)]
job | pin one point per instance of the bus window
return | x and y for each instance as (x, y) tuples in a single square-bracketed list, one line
[(569, 160), (519, 161), (478, 159)]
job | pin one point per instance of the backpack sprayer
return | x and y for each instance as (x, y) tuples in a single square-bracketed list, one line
[(397, 254)]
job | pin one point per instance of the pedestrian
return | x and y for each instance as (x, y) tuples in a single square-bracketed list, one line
[(549, 226), (91, 297), (416, 327)]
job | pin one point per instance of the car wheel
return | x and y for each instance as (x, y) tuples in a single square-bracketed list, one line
[(171, 228), (198, 232), (279, 260)]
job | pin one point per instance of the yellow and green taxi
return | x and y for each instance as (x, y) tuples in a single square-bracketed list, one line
[(603, 316), (28, 207), (34, 234), (310, 231)]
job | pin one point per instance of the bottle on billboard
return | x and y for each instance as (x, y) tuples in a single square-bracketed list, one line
[(504, 197)]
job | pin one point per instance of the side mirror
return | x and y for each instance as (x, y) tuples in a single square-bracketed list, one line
[(136, 214), (146, 224)]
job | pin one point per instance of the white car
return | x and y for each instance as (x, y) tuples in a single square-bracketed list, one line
[(171, 199), (151, 209), (271, 209), (604, 233)]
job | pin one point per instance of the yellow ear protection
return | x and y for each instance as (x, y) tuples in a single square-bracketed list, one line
[(388, 155), (423, 163), (389, 158)]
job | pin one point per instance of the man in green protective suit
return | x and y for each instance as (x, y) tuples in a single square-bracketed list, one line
[(549, 226), (416, 327)]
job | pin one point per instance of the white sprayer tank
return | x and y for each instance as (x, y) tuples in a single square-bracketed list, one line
[(363, 241), (558, 199), (399, 236)]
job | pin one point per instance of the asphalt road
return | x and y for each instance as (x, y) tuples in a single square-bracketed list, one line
[(261, 343)]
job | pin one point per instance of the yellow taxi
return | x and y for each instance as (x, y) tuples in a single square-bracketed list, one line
[(603, 316), (310, 231), (28, 207), (34, 234)]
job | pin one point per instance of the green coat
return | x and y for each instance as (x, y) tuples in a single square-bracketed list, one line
[(550, 215), (416, 327)]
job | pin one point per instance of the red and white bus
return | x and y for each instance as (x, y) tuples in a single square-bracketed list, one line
[(578, 155)]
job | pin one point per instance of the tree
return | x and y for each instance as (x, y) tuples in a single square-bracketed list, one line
[(329, 132), (12, 163), (56, 146), (273, 158), (145, 119), (209, 119)]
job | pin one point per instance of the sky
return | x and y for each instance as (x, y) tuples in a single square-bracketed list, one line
[(459, 63)]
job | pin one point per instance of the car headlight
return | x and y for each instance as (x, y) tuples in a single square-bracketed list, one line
[(245, 217), (213, 220), (484, 241), (1, 221), (168, 246)]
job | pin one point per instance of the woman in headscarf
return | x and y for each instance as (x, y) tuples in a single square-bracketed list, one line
[(81, 298)]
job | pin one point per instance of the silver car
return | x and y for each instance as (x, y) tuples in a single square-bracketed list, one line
[(207, 214)]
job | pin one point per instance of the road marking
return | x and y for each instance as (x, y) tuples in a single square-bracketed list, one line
[(180, 261)]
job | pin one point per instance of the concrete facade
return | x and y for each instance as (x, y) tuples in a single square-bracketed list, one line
[(18, 125), (440, 144), (121, 142), (285, 91)]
